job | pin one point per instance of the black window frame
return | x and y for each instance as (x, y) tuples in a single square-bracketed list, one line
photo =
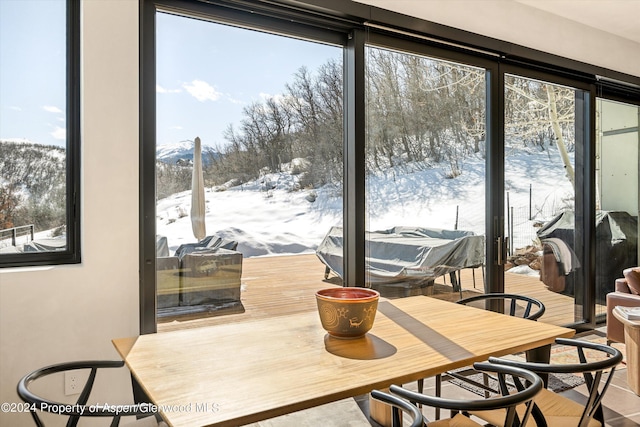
[(71, 254), (262, 18), (359, 22)]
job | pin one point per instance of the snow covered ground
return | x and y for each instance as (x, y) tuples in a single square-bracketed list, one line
[(282, 220)]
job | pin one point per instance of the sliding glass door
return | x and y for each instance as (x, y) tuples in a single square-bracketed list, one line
[(248, 160), (542, 149), (425, 174), (386, 158)]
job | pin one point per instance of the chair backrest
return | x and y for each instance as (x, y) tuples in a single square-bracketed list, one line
[(80, 408), (526, 383), (593, 360), (397, 404), (533, 308)]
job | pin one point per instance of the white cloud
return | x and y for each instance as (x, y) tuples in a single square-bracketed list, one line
[(59, 133), (234, 101), (15, 108), (52, 109), (176, 127), (202, 91), (160, 89)]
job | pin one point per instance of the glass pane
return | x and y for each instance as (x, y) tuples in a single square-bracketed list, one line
[(267, 111), (425, 183), (618, 149), (540, 152), (33, 140)]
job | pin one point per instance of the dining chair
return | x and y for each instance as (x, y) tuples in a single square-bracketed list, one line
[(398, 405), (514, 305), (74, 411), (516, 386), (557, 410)]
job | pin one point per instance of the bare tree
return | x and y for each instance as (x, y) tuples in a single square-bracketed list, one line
[(536, 112), (9, 203)]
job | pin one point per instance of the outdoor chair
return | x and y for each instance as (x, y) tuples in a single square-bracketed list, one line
[(397, 405), (525, 385), (531, 309), (73, 412), (552, 409)]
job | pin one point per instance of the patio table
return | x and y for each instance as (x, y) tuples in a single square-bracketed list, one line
[(409, 255), (239, 373)]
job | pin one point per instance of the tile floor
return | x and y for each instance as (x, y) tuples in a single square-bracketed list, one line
[(622, 407)]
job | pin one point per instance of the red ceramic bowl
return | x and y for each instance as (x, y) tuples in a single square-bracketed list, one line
[(347, 312)]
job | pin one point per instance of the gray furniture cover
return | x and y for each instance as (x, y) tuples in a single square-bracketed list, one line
[(616, 248), (408, 253)]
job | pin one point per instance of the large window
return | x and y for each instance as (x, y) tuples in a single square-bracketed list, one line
[(543, 146), (361, 127), (39, 144), (425, 180), (248, 157)]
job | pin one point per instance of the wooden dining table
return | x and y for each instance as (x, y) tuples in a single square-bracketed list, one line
[(239, 373)]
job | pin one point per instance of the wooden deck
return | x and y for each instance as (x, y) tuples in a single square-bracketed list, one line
[(279, 285)]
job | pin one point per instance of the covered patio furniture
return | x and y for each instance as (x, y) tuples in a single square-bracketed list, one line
[(412, 256), (617, 248), (206, 274)]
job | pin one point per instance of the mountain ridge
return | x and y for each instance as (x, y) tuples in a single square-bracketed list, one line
[(181, 153)]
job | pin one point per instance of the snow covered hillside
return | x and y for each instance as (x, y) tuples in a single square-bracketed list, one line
[(271, 216)]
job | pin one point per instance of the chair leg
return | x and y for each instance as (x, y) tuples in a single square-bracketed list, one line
[(485, 378), (420, 390), (438, 380)]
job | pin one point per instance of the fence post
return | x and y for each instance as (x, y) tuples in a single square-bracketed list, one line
[(455, 227), (511, 234), (530, 198), (14, 234), (509, 219)]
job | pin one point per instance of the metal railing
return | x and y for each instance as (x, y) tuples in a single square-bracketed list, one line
[(15, 232)]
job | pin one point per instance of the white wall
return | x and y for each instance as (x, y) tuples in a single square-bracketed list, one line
[(49, 315), (527, 26), (617, 170)]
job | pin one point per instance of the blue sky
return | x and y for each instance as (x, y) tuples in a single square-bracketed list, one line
[(206, 73), (32, 74)]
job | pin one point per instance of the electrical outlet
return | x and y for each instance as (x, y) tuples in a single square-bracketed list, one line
[(74, 381)]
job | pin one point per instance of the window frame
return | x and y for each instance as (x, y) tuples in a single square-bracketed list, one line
[(363, 23), (265, 19), (71, 255)]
